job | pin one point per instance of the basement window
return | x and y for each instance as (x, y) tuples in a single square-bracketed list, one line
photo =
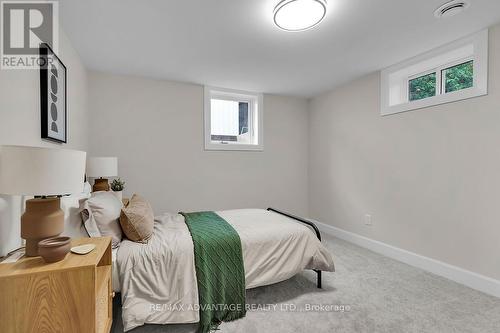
[(450, 73), (421, 87), (233, 120), (458, 77)]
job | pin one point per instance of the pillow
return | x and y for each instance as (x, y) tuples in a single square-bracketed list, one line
[(101, 214), (137, 219), (73, 226)]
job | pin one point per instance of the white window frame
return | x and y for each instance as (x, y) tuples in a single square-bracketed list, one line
[(255, 118), (479, 43), (440, 79)]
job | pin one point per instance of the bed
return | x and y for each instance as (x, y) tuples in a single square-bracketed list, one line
[(157, 280)]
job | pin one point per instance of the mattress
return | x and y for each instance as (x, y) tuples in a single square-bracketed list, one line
[(158, 279)]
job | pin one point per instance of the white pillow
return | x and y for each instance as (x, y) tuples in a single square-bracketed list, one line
[(101, 214), (73, 226)]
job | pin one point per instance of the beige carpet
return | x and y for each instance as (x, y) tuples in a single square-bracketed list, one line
[(368, 293)]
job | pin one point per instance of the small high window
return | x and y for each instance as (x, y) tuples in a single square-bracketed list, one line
[(450, 73), (233, 120), (422, 87), (458, 77), (450, 79)]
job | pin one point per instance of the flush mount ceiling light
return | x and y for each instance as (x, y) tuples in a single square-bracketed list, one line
[(299, 15), (451, 8)]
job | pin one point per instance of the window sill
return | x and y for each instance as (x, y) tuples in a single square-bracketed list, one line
[(233, 147), (436, 100)]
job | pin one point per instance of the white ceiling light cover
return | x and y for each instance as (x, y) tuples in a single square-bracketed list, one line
[(299, 15)]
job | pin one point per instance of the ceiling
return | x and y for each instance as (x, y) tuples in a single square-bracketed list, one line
[(235, 44)]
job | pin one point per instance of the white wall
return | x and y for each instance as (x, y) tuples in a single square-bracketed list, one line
[(429, 178), (156, 130), (20, 103), (20, 124)]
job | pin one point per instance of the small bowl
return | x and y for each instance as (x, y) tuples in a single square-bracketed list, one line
[(54, 249)]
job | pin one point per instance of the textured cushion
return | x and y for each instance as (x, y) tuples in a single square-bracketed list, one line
[(137, 219), (101, 214)]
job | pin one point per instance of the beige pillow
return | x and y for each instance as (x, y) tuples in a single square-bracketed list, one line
[(137, 219)]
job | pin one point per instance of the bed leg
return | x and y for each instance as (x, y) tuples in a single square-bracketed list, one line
[(319, 278)]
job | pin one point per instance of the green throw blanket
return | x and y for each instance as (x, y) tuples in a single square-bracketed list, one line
[(219, 269)]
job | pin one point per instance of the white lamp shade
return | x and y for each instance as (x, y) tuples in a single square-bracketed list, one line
[(102, 167), (41, 171)]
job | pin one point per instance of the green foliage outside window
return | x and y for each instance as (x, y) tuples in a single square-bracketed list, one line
[(422, 87), (459, 77), (454, 78)]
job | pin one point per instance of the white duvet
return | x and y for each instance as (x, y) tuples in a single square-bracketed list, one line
[(158, 279)]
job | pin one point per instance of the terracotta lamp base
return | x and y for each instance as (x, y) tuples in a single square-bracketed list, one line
[(42, 219), (100, 184)]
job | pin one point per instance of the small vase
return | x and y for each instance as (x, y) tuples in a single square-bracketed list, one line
[(118, 195)]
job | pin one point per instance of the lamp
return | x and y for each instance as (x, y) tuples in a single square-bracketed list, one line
[(100, 168), (47, 174), (299, 15)]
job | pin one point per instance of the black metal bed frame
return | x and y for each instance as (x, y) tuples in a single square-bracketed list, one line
[(309, 223)]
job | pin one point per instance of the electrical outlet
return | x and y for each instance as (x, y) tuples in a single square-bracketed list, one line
[(368, 219)]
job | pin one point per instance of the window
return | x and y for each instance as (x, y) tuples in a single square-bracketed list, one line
[(458, 77), (422, 87), (233, 120), (453, 72), (453, 78), (229, 121)]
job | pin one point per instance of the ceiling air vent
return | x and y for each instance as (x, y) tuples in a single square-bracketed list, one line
[(451, 8)]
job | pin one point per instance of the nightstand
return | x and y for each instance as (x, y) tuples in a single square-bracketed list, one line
[(73, 295)]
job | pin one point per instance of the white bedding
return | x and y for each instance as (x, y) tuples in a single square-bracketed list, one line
[(158, 279), (115, 277)]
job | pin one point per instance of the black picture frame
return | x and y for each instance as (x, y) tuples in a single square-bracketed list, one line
[(52, 88)]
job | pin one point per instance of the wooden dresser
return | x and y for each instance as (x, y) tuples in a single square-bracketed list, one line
[(73, 295)]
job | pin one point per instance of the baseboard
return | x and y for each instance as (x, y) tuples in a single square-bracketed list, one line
[(470, 279)]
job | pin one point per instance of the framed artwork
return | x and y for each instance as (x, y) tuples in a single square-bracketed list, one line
[(53, 96)]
